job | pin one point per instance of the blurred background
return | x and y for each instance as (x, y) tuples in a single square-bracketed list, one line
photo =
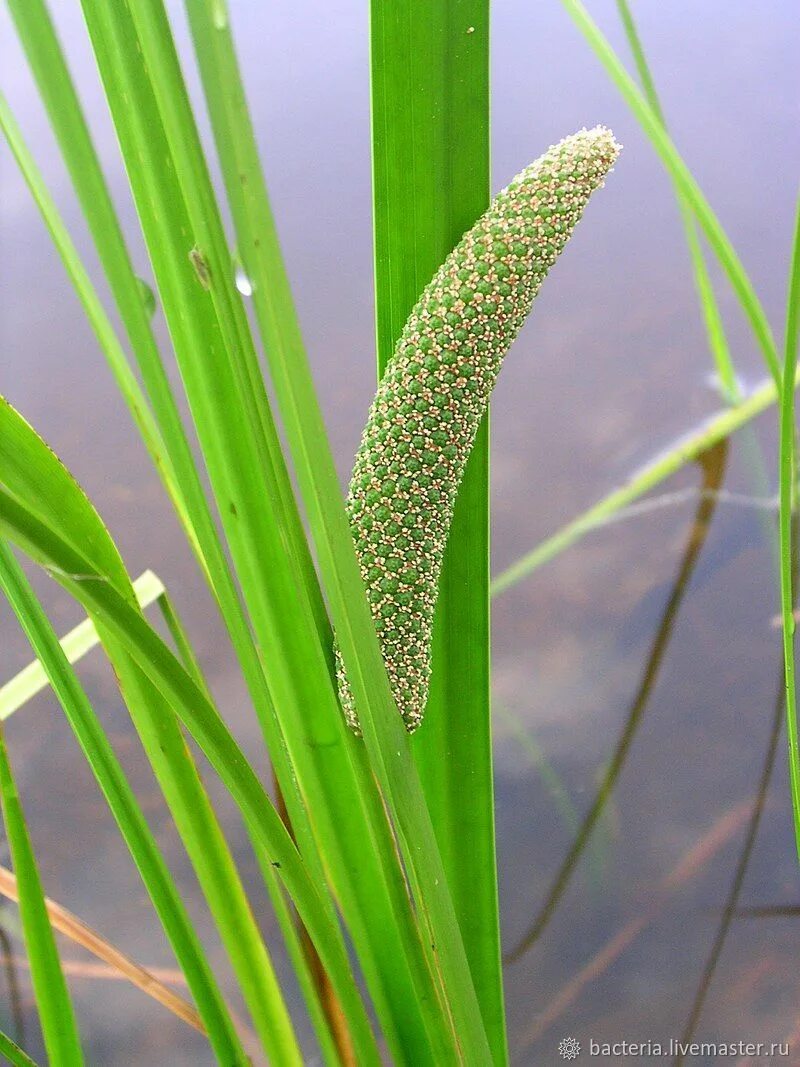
[(649, 647)]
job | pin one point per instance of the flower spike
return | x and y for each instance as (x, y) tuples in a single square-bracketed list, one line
[(436, 389)]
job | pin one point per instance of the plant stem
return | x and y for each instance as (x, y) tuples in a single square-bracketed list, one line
[(686, 450)]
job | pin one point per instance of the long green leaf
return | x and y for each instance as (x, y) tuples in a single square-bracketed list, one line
[(100, 599), (110, 777), (50, 70), (715, 330), (396, 949), (652, 126), (430, 145), (30, 469), (788, 502), (13, 1053), (59, 1029)]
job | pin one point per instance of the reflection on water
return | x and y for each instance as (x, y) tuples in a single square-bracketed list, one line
[(713, 467), (673, 913)]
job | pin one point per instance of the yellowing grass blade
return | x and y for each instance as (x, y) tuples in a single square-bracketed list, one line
[(75, 645)]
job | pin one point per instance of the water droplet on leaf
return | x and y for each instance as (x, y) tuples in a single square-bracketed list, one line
[(242, 280)]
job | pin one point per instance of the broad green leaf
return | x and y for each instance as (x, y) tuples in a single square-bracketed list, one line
[(430, 137)]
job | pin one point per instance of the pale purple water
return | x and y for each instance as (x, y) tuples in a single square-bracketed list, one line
[(611, 368)]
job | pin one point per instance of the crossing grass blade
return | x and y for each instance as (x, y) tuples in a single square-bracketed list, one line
[(13, 1053), (28, 466), (715, 330), (123, 805), (101, 600), (80, 640), (788, 504), (57, 1018), (430, 135), (296, 662), (652, 126), (652, 474)]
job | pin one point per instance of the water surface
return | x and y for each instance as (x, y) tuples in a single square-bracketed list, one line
[(652, 639)]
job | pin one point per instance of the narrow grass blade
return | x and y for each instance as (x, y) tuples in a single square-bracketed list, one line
[(715, 330), (323, 499), (13, 1053), (75, 645), (430, 143), (41, 495), (59, 1029), (299, 959), (60, 98), (788, 502), (28, 467), (117, 360), (652, 126), (100, 599), (183, 645), (665, 464), (124, 807)]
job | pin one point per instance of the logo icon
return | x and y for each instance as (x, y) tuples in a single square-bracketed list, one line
[(569, 1048)]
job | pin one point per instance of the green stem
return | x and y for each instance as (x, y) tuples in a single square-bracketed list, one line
[(787, 504), (712, 318), (652, 126), (648, 477)]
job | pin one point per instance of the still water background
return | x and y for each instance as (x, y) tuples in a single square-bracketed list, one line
[(650, 623)]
